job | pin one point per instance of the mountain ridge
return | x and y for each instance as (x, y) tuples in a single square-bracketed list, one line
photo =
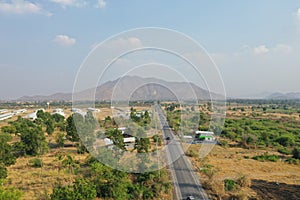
[(150, 88)]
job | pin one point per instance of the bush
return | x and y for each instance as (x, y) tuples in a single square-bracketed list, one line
[(243, 181), (10, 194), (284, 151), (208, 170), (3, 172), (266, 157), (223, 143), (36, 162), (81, 189), (192, 154), (293, 161), (296, 153), (230, 185)]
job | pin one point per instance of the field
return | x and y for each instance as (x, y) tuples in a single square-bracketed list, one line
[(233, 163)]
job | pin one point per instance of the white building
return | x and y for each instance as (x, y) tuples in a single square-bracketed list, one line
[(3, 111), (59, 111), (16, 112), (6, 116), (33, 115), (93, 109)]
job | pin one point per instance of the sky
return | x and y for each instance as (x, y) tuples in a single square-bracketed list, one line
[(255, 44)]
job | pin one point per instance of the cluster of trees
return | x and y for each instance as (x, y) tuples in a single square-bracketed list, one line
[(142, 118), (7, 158), (174, 119), (171, 107), (107, 183), (96, 180), (80, 129), (263, 132)]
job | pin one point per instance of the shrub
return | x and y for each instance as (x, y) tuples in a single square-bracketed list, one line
[(36, 162), (293, 161), (243, 181), (81, 189), (192, 154), (266, 157), (296, 153), (208, 170), (10, 194), (230, 185), (284, 151), (3, 172)]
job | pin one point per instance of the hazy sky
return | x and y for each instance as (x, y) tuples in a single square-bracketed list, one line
[(256, 44)]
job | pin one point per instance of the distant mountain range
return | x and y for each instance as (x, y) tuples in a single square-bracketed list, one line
[(137, 88), (150, 89), (290, 95)]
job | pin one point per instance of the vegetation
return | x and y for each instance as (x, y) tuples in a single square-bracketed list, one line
[(230, 185), (141, 118), (81, 189), (266, 157), (10, 194)]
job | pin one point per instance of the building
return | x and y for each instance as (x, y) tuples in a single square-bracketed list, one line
[(205, 135), (33, 116), (3, 111), (16, 112), (59, 111), (6, 116), (93, 109)]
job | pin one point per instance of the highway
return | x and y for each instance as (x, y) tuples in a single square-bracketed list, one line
[(185, 180)]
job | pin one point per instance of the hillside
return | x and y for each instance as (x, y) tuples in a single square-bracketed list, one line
[(137, 88)]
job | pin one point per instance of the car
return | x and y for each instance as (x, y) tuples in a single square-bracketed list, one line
[(190, 198)]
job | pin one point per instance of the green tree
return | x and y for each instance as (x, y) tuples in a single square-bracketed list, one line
[(60, 139), (34, 141), (296, 153), (6, 155), (49, 126), (81, 189), (58, 118), (10, 194), (71, 128)]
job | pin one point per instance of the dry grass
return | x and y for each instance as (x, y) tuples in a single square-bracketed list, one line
[(35, 182), (230, 163)]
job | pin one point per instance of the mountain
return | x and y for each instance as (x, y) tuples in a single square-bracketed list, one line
[(137, 88), (290, 95)]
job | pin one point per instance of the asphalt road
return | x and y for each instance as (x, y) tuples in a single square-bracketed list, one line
[(184, 177)]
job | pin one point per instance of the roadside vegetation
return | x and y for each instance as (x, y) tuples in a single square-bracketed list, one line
[(46, 159), (258, 148)]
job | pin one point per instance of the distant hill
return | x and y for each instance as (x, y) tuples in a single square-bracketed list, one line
[(290, 95), (151, 89)]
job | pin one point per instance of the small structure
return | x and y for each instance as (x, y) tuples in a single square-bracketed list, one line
[(129, 140), (59, 111), (16, 112), (205, 135), (122, 129), (108, 141), (79, 111), (93, 109), (33, 116)]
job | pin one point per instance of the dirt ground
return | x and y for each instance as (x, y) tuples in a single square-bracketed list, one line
[(269, 180)]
